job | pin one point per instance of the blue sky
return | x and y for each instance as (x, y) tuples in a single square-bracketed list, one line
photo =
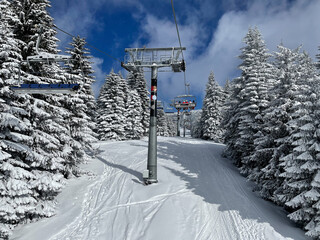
[(212, 31)]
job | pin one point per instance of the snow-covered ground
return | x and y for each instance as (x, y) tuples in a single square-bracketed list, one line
[(200, 195)]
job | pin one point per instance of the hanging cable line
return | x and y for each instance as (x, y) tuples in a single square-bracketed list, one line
[(97, 49), (69, 34), (175, 20), (185, 102), (114, 58)]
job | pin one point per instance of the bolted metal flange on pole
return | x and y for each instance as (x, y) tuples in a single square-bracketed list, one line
[(152, 146)]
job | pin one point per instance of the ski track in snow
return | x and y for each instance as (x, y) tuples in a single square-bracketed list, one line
[(200, 196)]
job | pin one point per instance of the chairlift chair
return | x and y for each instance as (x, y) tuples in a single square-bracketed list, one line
[(44, 57), (46, 88), (160, 105), (169, 110), (185, 102)]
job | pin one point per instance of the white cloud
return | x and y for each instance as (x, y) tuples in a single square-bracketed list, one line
[(292, 23), (76, 18), (100, 76)]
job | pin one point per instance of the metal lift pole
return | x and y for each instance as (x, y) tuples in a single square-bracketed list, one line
[(152, 146), (178, 124), (184, 124)]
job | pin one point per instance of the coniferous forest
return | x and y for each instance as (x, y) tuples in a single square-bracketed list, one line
[(269, 120), (268, 117)]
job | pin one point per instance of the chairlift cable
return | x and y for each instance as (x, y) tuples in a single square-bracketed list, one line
[(97, 49), (175, 20), (69, 34)]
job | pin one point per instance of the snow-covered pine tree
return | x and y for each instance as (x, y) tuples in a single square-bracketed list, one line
[(55, 152), (317, 64), (211, 128), (301, 164), (277, 117), (227, 106), (313, 226), (137, 81), (250, 98), (262, 140), (134, 128), (230, 120), (227, 89), (171, 125), (111, 117), (16, 200), (284, 108), (195, 123), (162, 125), (83, 104)]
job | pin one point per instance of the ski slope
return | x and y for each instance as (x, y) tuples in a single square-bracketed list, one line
[(200, 196)]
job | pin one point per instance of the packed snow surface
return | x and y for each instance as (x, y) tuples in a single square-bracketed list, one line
[(200, 195)]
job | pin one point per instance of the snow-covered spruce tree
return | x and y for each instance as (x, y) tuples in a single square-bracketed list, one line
[(171, 125), (263, 140), (137, 81), (162, 125), (55, 152), (230, 119), (250, 98), (16, 200), (111, 117), (301, 164), (313, 226), (227, 89), (134, 128), (195, 123), (279, 115), (34, 16), (83, 104), (317, 64), (211, 118), (227, 108)]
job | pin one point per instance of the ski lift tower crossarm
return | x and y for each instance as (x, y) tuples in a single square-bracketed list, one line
[(158, 59)]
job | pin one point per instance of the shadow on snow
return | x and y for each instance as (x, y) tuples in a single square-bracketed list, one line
[(215, 179)]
